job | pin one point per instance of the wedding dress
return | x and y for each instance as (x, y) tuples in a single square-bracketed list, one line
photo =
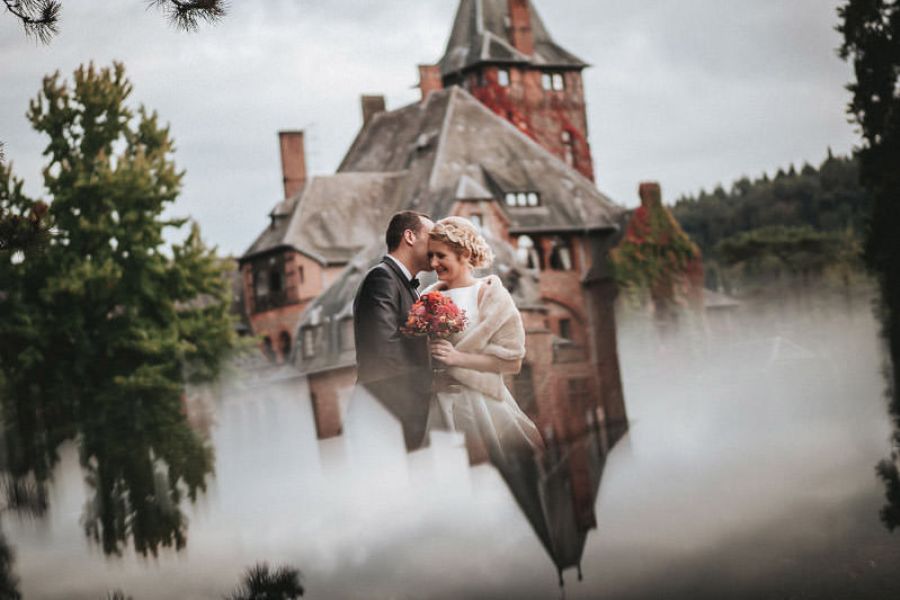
[(497, 425)]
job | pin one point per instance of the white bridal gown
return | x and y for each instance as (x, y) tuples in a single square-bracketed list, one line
[(500, 425)]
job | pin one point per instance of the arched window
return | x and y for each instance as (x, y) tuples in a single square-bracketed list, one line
[(527, 253), (560, 255)]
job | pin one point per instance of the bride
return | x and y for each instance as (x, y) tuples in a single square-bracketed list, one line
[(474, 399)]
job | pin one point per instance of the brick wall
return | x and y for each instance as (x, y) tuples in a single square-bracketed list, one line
[(328, 393), (554, 118)]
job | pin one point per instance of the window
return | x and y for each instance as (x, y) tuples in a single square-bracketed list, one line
[(260, 285), (527, 253), (346, 341), (522, 199), (477, 220), (546, 81), (560, 255), (503, 77), (276, 281), (302, 275), (568, 143), (565, 329), (559, 83), (309, 342), (553, 82)]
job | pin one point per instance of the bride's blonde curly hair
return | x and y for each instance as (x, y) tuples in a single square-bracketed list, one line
[(462, 236)]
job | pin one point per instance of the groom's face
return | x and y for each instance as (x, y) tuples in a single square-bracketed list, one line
[(420, 245)]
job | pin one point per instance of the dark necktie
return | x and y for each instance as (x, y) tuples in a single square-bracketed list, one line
[(414, 286)]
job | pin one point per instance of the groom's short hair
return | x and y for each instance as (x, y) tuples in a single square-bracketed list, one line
[(400, 222)]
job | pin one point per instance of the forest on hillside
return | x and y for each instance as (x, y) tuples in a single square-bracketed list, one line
[(797, 228)]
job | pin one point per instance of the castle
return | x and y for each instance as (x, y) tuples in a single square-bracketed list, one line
[(499, 136)]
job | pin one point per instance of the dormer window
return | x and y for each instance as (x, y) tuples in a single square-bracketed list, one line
[(522, 199), (309, 342), (503, 77)]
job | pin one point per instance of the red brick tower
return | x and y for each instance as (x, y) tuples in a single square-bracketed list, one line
[(500, 51)]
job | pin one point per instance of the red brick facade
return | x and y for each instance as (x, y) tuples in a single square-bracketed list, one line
[(554, 118), (276, 314), (328, 392)]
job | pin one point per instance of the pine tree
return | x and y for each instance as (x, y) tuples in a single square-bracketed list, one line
[(107, 322), (40, 18)]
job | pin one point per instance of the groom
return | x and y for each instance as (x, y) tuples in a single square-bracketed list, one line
[(392, 367)]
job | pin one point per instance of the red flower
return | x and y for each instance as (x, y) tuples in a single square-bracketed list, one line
[(434, 315)]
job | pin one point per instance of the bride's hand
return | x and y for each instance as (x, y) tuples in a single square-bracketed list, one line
[(444, 351)]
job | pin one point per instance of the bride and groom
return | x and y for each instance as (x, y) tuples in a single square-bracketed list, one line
[(469, 394)]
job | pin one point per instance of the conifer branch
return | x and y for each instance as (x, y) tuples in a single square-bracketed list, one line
[(40, 18)]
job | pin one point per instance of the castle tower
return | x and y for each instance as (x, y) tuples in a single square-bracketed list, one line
[(500, 51)]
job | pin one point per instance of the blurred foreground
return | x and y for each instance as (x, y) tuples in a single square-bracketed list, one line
[(748, 471)]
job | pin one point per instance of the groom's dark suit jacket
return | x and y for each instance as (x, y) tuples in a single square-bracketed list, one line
[(393, 367)]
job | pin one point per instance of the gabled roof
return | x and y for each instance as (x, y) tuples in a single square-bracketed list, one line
[(272, 236), (452, 142), (480, 35), (422, 157)]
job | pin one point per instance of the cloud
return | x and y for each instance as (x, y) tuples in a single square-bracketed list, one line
[(690, 93)]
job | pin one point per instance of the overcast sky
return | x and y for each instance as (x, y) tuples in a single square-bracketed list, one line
[(689, 93)]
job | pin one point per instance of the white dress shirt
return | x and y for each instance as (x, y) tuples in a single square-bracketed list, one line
[(403, 268)]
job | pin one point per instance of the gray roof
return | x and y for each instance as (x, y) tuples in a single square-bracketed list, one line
[(338, 215), (427, 156), (480, 35), (452, 142), (272, 237)]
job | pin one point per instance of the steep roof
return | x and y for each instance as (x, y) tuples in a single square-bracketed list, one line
[(452, 140), (480, 35), (272, 236), (337, 215), (422, 157)]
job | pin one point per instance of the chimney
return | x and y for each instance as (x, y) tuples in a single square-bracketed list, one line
[(430, 80), (520, 34), (293, 161), (371, 106), (651, 194)]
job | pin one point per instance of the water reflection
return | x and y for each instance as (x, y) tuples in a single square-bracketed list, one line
[(747, 473), (557, 492), (139, 457)]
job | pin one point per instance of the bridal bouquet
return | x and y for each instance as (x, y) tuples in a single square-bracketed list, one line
[(434, 315)]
